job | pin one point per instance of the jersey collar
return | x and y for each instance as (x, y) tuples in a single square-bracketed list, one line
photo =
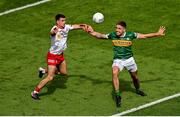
[(61, 27), (123, 35)]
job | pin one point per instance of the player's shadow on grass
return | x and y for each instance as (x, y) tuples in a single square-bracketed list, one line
[(127, 86), (59, 81)]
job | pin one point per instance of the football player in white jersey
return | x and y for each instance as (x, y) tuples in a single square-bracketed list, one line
[(55, 56)]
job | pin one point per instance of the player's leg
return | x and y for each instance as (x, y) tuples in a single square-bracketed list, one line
[(52, 59), (115, 79), (132, 68), (136, 83), (63, 68), (135, 79), (49, 77), (116, 68), (44, 71)]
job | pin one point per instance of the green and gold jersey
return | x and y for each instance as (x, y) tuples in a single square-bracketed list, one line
[(122, 45)]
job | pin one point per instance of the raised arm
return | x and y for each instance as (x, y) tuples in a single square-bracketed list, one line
[(96, 34), (79, 26), (160, 32)]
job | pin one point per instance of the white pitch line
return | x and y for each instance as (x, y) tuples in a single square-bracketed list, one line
[(23, 7), (147, 105)]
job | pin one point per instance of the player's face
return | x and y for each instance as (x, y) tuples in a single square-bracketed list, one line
[(120, 30), (61, 22)]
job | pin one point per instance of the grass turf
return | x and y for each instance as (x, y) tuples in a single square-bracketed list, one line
[(88, 88), (164, 109)]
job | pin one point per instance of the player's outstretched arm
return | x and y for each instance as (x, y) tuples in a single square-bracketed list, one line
[(80, 26), (160, 32), (98, 35), (95, 34)]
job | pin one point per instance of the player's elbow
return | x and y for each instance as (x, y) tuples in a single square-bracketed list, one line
[(52, 34), (98, 37)]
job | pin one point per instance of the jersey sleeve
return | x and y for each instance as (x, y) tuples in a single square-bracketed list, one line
[(109, 35), (134, 35), (69, 27), (53, 28)]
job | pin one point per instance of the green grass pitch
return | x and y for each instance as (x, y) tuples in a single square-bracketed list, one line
[(24, 42)]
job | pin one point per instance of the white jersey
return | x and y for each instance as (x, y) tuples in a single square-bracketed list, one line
[(59, 41)]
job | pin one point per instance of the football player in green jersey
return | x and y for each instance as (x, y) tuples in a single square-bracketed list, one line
[(123, 55)]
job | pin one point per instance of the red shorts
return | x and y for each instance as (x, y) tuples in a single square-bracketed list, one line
[(54, 59)]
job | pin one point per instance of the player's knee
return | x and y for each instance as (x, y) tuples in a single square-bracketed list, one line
[(64, 73), (135, 78), (115, 71), (49, 77)]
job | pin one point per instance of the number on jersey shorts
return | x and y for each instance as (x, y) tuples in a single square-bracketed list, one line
[(129, 64), (54, 59)]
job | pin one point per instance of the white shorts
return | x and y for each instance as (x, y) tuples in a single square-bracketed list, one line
[(129, 64)]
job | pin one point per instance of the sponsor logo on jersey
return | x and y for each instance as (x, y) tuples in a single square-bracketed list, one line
[(123, 43)]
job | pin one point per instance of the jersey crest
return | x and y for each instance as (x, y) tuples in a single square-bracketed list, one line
[(58, 36)]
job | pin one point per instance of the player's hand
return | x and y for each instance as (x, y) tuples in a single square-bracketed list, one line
[(55, 30), (85, 27), (90, 29), (161, 31)]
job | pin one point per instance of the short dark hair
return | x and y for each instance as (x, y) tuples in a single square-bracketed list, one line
[(122, 23), (58, 16)]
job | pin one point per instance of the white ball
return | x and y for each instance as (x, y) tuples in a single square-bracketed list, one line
[(98, 17)]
